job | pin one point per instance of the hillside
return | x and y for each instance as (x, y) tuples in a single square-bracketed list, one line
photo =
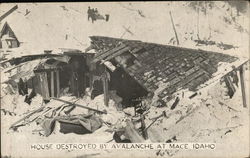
[(65, 25)]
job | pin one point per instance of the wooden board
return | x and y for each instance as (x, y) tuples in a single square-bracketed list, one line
[(106, 54), (119, 52), (44, 85)]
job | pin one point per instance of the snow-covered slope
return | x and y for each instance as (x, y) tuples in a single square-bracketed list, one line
[(65, 25)]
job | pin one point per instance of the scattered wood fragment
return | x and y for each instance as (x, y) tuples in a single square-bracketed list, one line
[(229, 107), (155, 119), (189, 113), (175, 103), (193, 95)]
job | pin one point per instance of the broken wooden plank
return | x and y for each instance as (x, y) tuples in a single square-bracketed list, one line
[(230, 86), (242, 82), (229, 107), (133, 135), (82, 106), (155, 119), (109, 65), (193, 95), (175, 103), (27, 116)]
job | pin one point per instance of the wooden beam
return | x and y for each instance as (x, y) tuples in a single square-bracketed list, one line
[(81, 106), (8, 12), (57, 83), (48, 70), (52, 85), (242, 82)]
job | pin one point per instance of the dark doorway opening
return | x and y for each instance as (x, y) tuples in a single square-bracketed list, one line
[(126, 87)]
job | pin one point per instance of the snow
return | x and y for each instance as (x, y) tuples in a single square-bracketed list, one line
[(205, 118), (50, 30)]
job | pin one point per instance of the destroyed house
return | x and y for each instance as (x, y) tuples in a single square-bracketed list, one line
[(127, 71), (127, 78), (159, 70), (8, 37), (50, 75)]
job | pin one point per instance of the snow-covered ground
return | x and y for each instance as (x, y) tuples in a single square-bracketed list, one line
[(47, 26)]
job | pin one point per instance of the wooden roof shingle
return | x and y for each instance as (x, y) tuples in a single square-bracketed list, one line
[(157, 66)]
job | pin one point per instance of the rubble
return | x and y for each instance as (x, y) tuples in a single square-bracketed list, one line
[(124, 91)]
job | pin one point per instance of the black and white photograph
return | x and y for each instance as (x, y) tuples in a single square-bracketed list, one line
[(125, 79)]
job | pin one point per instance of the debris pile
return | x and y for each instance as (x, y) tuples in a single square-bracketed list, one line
[(77, 93)]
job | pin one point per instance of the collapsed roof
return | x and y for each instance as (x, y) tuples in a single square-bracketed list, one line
[(160, 69)]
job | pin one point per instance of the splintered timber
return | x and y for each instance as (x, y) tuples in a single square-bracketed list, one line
[(124, 146)]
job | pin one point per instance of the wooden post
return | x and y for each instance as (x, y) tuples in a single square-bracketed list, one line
[(105, 87), (57, 83), (174, 28), (143, 126), (52, 86), (44, 85), (242, 82), (84, 82), (90, 81)]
